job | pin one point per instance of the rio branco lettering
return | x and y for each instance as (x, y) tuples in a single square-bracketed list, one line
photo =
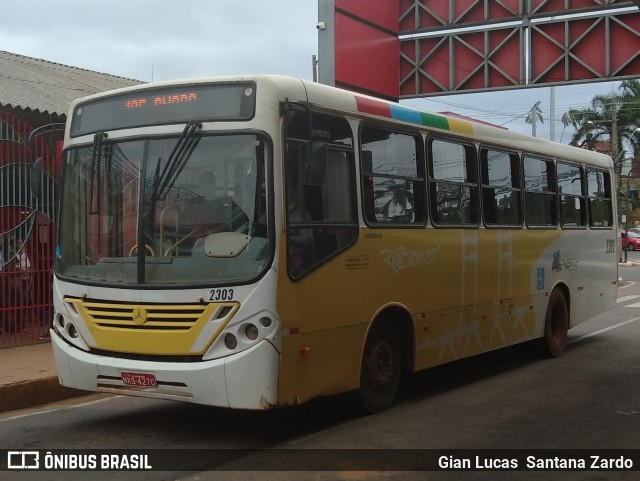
[(402, 258)]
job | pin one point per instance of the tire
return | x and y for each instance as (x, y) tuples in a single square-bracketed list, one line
[(380, 369), (556, 326), (631, 247)]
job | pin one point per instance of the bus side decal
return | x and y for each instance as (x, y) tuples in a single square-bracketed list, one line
[(397, 112)]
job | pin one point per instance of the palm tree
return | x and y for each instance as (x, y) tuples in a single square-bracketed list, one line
[(630, 113), (535, 115), (590, 126), (612, 118)]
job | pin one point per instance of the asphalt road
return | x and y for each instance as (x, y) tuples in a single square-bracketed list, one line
[(587, 399)]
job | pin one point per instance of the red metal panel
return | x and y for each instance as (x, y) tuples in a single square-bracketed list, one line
[(419, 15), (585, 49), (384, 14), (366, 58), (470, 61), (478, 11), (578, 49), (424, 66), (548, 7), (625, 41), (414, 15)]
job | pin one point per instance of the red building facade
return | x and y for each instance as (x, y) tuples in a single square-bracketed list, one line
[(27, 230), (34, 93)]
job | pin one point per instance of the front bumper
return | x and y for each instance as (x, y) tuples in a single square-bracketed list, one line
[(246, 380)]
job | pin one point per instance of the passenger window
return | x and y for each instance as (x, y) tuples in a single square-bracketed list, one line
[(573, 209), (540, 194), (501, 188), (320, 192), (453, 183), (599, 195), (393, 182)]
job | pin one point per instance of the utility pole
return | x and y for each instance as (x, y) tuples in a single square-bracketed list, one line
[(552, 114), (314, 67)]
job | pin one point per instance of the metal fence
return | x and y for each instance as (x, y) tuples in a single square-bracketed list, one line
[(27, 232)]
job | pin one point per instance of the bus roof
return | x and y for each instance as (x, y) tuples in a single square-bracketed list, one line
[(358, 104), (476, 131)]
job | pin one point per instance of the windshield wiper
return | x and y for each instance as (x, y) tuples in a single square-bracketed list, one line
[(177, 160), (96, 161), (163, 183)]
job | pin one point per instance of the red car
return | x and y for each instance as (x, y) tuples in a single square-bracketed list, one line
[(630, 240)]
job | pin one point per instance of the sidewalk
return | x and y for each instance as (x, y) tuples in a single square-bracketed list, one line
[(28, 377)]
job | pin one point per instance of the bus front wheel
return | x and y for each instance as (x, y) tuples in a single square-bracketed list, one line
[(380, 369), (556, 326)]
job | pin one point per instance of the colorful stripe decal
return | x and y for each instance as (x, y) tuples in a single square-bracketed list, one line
[(374, 107), (461, 126), (397, 112)]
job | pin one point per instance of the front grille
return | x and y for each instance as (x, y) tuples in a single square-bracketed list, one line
[(165, 330), (159, 317)]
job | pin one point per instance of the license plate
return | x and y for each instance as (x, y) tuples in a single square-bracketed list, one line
[(140, 379)]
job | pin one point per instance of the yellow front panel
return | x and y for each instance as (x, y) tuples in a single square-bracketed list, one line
[(154, 329)]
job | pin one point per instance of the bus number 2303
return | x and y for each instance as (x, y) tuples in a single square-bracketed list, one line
[(221, 295)]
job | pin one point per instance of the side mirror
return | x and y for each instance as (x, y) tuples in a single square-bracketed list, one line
[(36, 177)]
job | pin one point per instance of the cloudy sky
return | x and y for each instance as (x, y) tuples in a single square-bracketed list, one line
[(163, 40)]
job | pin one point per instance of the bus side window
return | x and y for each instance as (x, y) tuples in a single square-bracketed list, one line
[(320, 194), (599, 195), (453, 183), (573, 209), (540, 193), (501, 188), (393, 182)]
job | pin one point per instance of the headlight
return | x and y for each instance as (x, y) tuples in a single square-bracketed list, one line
[(230, 341), (245, 333), (251, 332)]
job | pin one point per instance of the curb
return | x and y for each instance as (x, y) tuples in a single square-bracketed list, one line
[(32, 393)]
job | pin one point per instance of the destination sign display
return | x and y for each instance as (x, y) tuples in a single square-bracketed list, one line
[(168, 105)]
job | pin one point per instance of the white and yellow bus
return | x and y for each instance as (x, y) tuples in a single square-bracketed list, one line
[(259, 241)]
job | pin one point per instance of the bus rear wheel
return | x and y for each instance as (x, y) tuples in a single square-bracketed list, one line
[(556, 326), (380, 369)]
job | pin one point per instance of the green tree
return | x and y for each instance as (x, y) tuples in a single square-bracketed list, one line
[(630, 113), (613, 118), (603, 121)]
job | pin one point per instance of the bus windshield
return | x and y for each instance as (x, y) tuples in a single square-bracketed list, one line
[(182, 210)]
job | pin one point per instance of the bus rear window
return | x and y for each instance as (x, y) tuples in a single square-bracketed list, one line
[(167, 105)]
